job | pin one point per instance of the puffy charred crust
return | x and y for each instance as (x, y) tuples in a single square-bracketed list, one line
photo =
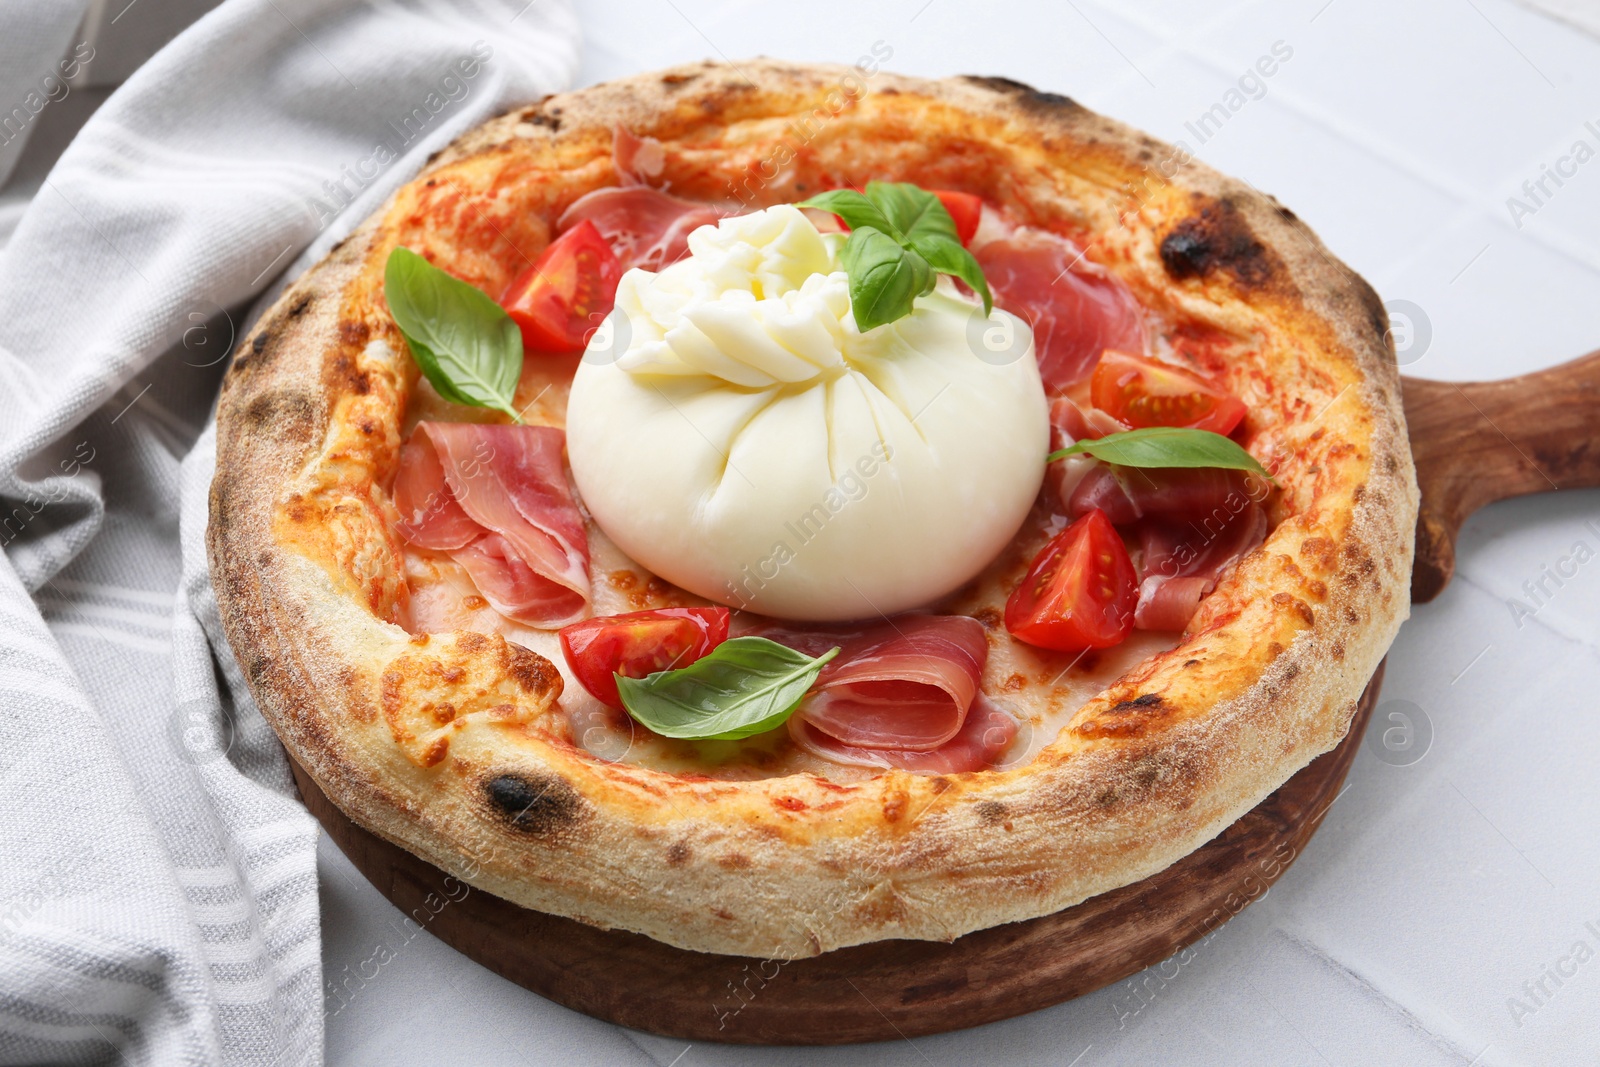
[(1127, 718), (531, 671), (1027, 96), (1217, 239), (292, 415), (442, 744), (539, 805)]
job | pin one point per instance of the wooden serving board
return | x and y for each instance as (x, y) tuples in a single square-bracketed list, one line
[(873, 992), (1474, 443)]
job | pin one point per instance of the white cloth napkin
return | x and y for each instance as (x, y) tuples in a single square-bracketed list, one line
[(158, 894)]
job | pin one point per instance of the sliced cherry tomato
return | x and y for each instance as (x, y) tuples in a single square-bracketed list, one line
[(567, 292), (964, 208), (1142, 393), (1080, 592), (639, 643)]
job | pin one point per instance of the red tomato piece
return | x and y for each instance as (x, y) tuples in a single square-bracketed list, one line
[(567, 292), (964, 208), (638, 644), (1080, 592), (1142, 393)]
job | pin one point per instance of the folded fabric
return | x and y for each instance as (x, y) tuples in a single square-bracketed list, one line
[(158, 895)]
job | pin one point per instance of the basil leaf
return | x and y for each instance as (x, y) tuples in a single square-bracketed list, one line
[(885, 277), (901, 236), (856, 210), (912, 211), (1165, 446), (744, 686), (947, 256), (464, 342)]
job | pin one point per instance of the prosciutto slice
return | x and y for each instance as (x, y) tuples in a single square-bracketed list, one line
[(1070, 424), (645, 227), (639, 160), (985, 733), (1077, 309), (903, 685), (1181, 561), (429, 514), (1127, 494), (496, 499)]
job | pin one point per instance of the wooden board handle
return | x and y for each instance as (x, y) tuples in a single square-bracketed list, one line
[(1478, 442)]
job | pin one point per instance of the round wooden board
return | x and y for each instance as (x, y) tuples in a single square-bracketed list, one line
[(872, 992)]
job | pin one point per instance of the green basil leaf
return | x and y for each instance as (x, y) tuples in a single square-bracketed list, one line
[(901, 237), (464, 342), (1165, 446), (856, 210), (912, 211), (885, 277), (744, 686), (947, 256)]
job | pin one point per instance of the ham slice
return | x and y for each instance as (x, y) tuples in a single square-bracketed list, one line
[(1181, 561), (985, 733), (1127, 494), (1070, 424), (1169, 603), (645, 227), (429, 514), (496, 498), (902, 693), (1076, 308), (639, 160), (1074, 423)]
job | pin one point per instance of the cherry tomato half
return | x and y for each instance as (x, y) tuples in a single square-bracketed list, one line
[(965, 209), (1142, 393), (567, 292), (1080, 592), (638, 644)]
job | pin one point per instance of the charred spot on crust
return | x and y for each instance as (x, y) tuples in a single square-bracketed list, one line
[(1027, 95), (536, 804), (299, 307), (349, 378), (723, 97), (678, 78), (283, 414), (677, 854), (532, 672), (991, 812), (354, 333), (1127, 718), (1217, 238), (256, 353)]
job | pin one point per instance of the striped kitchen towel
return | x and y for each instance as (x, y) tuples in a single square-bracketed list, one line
[(158, 898)]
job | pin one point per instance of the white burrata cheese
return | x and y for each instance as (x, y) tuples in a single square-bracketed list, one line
[(734, 432)]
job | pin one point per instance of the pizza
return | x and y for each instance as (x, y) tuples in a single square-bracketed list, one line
[(778, 508)]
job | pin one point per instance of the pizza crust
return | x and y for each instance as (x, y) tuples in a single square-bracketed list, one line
[(453, 746)]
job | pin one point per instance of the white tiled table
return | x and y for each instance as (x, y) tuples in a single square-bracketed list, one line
[(1436, 890)]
